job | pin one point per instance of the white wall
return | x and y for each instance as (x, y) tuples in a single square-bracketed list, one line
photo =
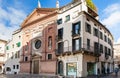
[(12, 51)]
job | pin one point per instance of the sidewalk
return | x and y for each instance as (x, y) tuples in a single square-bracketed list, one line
[(112, 75)]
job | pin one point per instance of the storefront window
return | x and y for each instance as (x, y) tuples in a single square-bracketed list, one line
[(71, 69), (90, 68)]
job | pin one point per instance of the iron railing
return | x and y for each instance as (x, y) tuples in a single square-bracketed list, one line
[(78, 48)]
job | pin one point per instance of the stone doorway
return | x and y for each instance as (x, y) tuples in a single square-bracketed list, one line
[(36, 67), (60, 68)]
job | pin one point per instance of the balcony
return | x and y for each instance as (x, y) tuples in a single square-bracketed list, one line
[(64, 51), (75, 35), (59, 38), (89, 50)]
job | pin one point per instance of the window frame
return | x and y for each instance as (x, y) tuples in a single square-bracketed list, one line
[(67, 18), (88, 27)]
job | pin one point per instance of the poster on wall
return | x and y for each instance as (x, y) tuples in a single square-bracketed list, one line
[(71, 69)]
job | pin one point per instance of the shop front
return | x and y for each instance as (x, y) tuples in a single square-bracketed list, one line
[(71, 69), (91, 68)]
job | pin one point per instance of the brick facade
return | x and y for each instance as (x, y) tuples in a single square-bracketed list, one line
[(39, 25)]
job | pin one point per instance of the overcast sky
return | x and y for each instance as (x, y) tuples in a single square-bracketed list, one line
[(13, 12)]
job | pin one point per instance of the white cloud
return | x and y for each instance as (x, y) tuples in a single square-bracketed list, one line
[(118, 41), (111, 18), (10, 19), (111, 15), (6, 32)]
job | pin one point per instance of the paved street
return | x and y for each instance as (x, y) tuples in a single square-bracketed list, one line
[(48, 76), (108, 76)]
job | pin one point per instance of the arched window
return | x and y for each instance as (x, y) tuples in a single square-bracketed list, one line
[(60, 68), (8, 69), (50, 42)]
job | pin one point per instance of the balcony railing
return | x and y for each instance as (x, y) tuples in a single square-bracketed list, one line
[(59, 38), (75, 35), (85, 48)]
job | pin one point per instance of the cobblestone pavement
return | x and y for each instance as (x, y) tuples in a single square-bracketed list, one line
[(49, 76)]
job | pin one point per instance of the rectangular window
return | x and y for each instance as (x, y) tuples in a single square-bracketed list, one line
[(88, 44), (101, 35), (67, 18), (76, 44), (88, 28), (26, 47), (16, 55), (18, 44), (105, 38), (7, 48), (60, 33), (106, 52), (13, 46), (96, 47), (60, 47), (95, 32), (108, 41), (7, 55), (17, 66), (26, 58), (12, 55), (76, 28), (101, 48), (59, 21), (13, 66), (109, 52), (105, 49), (49, 56)]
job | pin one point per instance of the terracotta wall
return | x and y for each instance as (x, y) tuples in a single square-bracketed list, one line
[(48, 67), (39, 26), (25, 67)]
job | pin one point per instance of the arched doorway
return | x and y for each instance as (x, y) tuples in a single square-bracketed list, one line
[(60, 68)]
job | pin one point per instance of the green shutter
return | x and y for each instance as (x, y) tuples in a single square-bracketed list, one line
[(18, 44), (7, 47)]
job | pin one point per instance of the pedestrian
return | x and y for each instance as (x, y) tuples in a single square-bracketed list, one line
[(108, 70), (98, 70), (116, 71)]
